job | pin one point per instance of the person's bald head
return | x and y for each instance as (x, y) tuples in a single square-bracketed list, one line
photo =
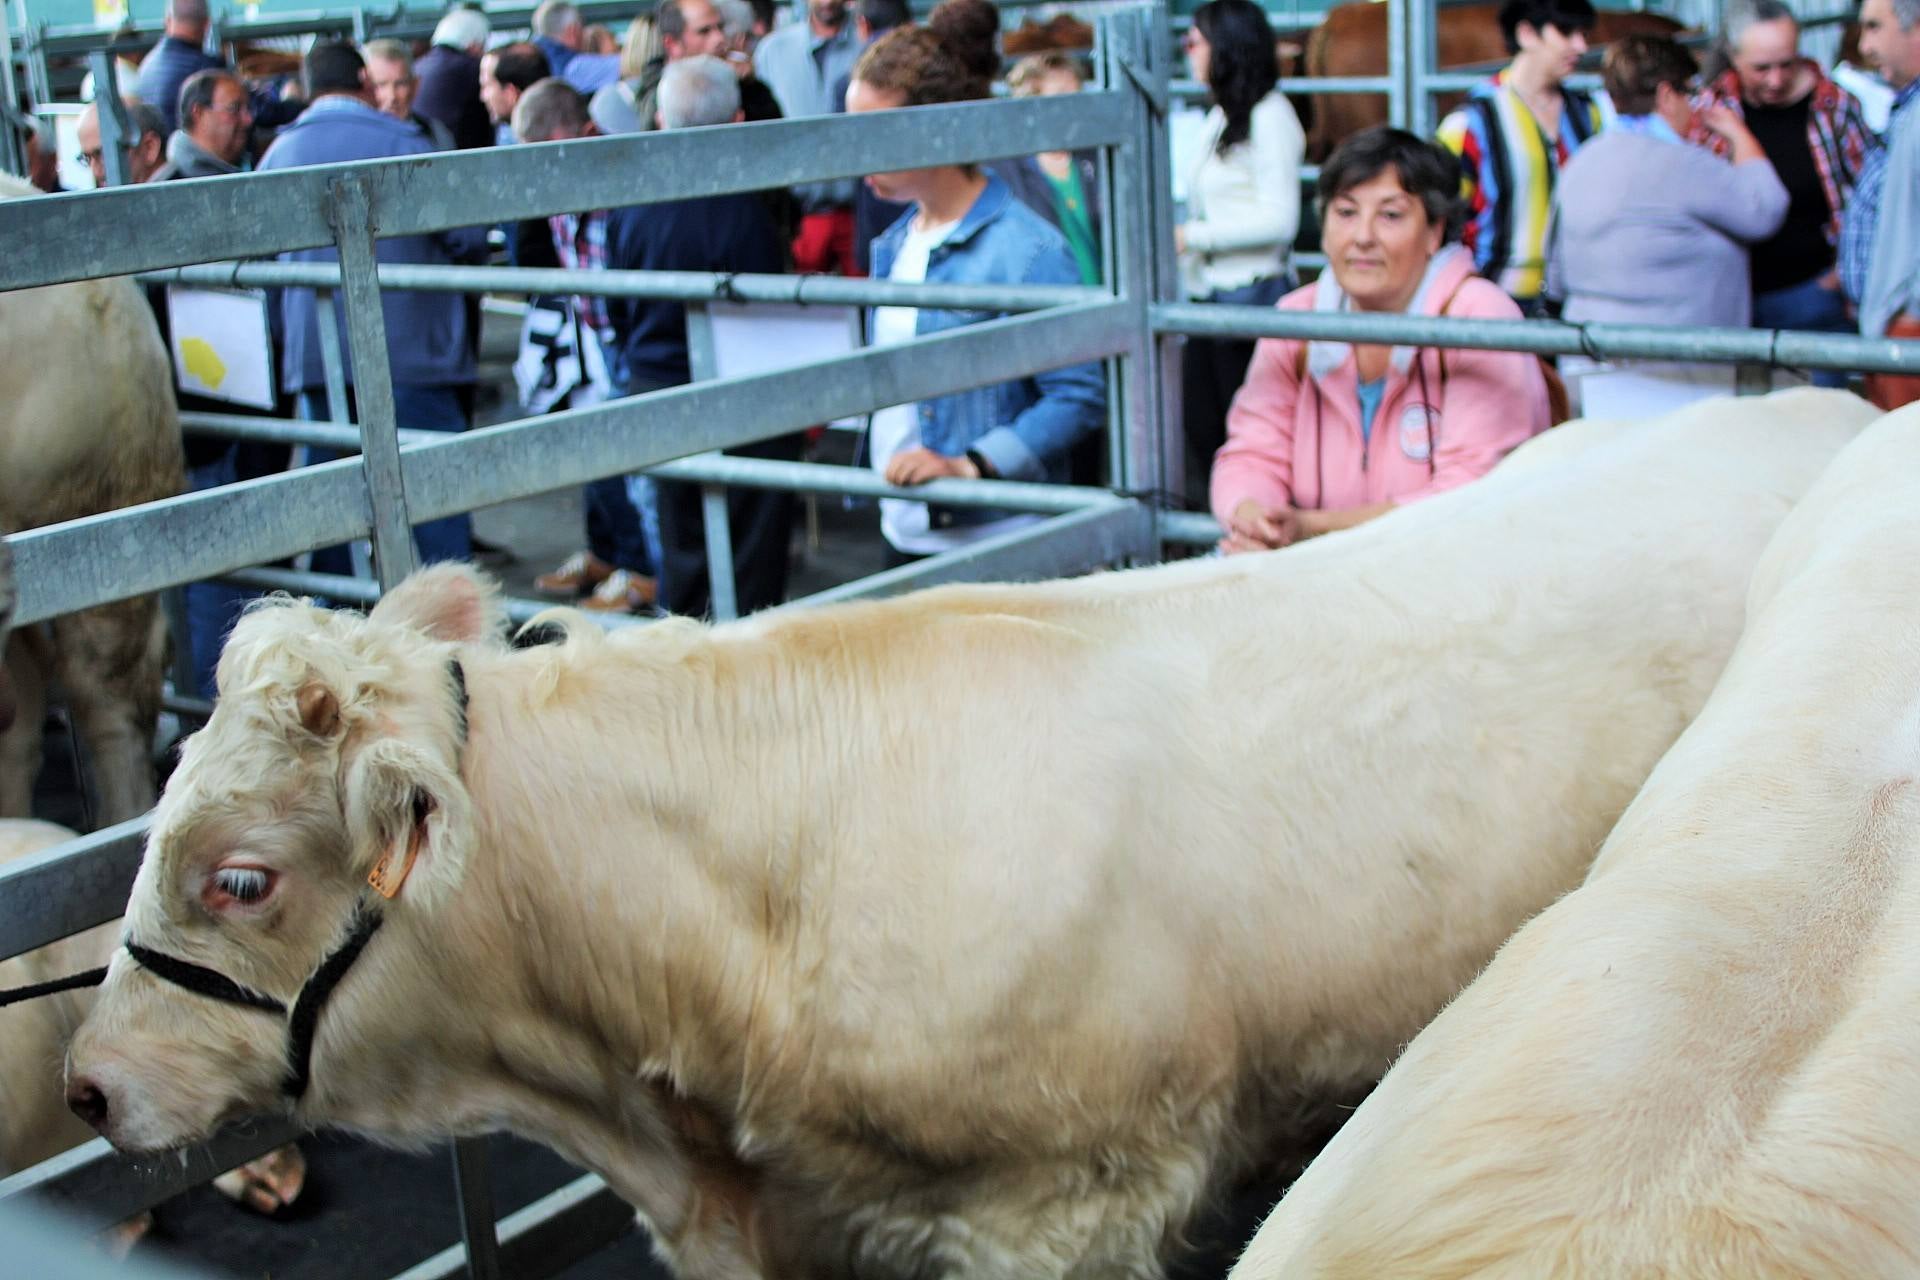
[(145, 147), (187, 20), (551, 111)]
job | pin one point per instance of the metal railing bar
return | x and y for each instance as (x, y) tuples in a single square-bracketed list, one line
[(78, 564), (680, 286), (81, 235), (1064, 544), (81, 563), (1549, 337), (549, 1235), (56, 892), (365, 591), (1189, 528), (481, 468), (97, 1184)]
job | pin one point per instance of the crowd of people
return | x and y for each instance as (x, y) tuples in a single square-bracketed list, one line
[(1757, 195)]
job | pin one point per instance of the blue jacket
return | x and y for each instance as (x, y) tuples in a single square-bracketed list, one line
[(164, 69), (426, 332), (450, 93), (732, 233), (586, 72), (1026, 428)]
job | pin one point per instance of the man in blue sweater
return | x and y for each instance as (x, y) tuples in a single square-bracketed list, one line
[(178, 55), (427, 345)]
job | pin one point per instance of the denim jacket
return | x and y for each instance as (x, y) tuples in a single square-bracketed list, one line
[(1026, 428)]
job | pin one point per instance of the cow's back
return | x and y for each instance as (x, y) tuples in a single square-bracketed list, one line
[(1291, 802), (1702, 1062)]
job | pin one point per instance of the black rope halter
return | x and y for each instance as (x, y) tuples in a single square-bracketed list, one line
[(304, 1018)]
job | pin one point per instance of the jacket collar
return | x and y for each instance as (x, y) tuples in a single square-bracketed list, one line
[(1445, 271), (987, 206), (194, 160)]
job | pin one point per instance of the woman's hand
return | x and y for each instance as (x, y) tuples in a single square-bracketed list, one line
[(1727, 123), (1254, 527), (919, 465)]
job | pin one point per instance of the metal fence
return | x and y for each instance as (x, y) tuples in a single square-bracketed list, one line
[(399, 480), (1134, 322)]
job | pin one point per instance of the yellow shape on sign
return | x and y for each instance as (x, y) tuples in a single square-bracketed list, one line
[(203, 362)]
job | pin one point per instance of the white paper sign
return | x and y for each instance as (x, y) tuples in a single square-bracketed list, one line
[(768, 336), (222, 347)]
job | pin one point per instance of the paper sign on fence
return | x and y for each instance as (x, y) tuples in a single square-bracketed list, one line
[(222, 346)]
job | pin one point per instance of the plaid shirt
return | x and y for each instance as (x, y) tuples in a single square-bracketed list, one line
[(580, 242), (1863, 215), (1837, 135)]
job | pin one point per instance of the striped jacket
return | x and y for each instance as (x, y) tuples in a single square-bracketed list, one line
[(1837, 134), (1510, 165)]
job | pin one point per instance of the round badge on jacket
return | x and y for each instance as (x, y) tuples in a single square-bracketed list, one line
[(1417, 423)]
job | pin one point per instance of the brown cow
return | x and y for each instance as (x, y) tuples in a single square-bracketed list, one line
[(1352, 41)]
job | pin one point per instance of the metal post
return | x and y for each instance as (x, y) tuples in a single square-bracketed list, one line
[(1751, 378), (1422, 55), (703, 362), (350, 213), (13, 155), (115, 127), (1142, 228), (1399, 88), (474, 1185), (333, 370)]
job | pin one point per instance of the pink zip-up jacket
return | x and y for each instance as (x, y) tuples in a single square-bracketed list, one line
[(1295, 441)]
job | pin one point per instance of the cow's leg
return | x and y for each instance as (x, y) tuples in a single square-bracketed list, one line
[(110, 662), (20, 744)]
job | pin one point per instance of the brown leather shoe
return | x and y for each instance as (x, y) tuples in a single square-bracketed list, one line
[(624, 591), (578, 574)]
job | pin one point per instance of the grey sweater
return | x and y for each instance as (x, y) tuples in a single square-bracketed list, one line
[(1647, 231)]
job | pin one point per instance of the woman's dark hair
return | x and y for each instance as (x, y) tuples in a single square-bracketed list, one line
[(970, 28), (1427, 171), (1566, 16), (1636, 66), (1243, 67), (920, 65)]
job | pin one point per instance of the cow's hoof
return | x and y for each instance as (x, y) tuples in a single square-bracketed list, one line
[(269, 1184)]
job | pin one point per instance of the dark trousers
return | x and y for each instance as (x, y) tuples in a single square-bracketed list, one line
[(614, 533), (1210, 375), (760, 522)]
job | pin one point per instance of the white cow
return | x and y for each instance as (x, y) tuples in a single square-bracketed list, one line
[(1703, 1063), (983, 932), (87, 424)]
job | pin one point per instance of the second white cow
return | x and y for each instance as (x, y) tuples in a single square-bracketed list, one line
[(1705, 1062), (982, 932)]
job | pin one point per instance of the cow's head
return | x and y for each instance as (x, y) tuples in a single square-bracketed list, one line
[(332, 757)]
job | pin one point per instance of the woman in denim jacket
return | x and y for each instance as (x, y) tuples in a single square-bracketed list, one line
[(965, 227)]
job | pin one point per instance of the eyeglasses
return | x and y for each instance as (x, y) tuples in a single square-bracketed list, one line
[(235, 109)]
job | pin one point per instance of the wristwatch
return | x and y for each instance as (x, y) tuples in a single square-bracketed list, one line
[(980, 464)]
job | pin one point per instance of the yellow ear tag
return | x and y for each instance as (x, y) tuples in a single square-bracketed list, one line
[(386, 881)]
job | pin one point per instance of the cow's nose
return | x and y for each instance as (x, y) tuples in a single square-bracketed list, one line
[(88, 1102)]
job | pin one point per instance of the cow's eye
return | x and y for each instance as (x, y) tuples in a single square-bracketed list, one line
[(242, 884)]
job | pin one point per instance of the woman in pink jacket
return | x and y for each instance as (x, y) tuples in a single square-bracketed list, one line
[(1326, 435)]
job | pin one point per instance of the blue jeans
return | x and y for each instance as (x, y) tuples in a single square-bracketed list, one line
[(212, 607), (1809, 307), (419, 409)]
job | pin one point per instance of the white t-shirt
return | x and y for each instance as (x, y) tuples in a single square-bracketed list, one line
[(896, 429)]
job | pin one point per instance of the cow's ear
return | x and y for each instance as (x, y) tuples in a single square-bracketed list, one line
[(410, 821), (445, 601)]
